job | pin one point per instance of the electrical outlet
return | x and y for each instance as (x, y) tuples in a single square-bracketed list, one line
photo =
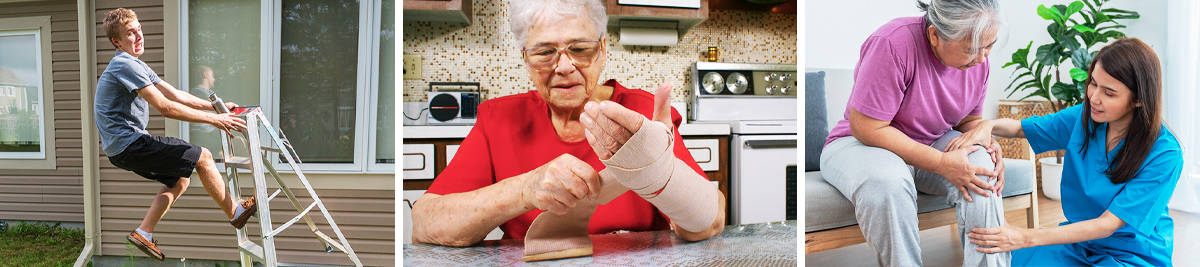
[(412, 67)]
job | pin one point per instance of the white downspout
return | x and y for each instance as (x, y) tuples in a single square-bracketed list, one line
[(91, 170)]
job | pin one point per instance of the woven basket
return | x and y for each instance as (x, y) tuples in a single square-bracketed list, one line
[(1018, 148)]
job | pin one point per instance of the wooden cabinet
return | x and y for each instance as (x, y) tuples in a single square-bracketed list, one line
[(455, 11), (712, 152), (685, 17)]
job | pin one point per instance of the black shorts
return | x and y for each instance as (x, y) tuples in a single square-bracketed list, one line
[(163, 159)]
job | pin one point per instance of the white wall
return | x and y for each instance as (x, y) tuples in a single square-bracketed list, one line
[(835, 30)]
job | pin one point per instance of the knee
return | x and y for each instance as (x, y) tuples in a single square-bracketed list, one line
[(981, 158), (177, 190), (182, 185), (205, 160)]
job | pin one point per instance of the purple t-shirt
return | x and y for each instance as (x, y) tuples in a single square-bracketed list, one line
[(898, 79)]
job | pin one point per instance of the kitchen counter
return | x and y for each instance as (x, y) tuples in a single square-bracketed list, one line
[(460, 131), (765, 244)]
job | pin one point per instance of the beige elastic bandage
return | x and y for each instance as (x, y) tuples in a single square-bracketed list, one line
[(646, 164), (553, 236)]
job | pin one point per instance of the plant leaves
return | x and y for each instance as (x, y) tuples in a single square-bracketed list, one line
[(1074, 8), (1047, 54), (1064, 92), (1079, 75), (1047, 13), (1081, 59), (1083, 28)]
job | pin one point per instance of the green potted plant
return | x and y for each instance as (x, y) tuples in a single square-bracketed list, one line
[(1075, 30)]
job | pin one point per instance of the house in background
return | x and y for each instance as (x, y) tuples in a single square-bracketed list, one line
[(317, 68)]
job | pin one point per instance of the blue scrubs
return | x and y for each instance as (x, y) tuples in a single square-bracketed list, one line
[(1146, 238)]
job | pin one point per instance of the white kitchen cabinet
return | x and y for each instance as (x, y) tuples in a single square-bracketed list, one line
[(418, 161)]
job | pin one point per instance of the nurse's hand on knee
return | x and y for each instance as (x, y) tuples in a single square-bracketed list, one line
[(978, 136), (955, 167), (999, 239)]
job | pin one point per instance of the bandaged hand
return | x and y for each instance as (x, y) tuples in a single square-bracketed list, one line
[(608, 125), (639, 153)]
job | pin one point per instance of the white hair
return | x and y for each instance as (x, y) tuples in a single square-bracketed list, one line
[(954, 19), (523, 13)]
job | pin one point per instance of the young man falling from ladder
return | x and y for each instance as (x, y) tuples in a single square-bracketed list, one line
[(122, 94)]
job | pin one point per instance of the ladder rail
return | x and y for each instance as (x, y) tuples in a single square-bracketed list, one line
[(260, 191)]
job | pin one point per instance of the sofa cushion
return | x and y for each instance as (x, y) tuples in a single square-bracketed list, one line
[(826, 208), (815, 126)]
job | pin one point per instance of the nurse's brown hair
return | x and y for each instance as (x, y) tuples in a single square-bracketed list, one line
[(1135, 64)]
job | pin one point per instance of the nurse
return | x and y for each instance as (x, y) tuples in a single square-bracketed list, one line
[(1120, 168)]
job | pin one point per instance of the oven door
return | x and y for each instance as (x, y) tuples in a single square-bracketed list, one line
[(762, 166)]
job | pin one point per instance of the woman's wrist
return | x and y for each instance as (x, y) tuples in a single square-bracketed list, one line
[(1032, 237)]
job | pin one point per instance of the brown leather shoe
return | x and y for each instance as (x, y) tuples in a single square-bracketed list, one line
[(150, 248), (239, 220)]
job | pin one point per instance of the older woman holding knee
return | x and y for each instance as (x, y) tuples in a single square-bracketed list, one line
[(542, 151), (913, 114)]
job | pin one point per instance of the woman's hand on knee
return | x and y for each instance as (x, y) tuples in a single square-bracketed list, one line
[(999, 239), (955, 167), (981, 135)]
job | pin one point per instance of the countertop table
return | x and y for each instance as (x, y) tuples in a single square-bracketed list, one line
[(764, 244)]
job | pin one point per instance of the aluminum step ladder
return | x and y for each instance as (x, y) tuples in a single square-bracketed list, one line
[(258, 162)]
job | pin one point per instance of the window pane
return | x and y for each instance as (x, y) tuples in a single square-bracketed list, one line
[(20, 93), (318, 75), (223, 56), (385, 132)]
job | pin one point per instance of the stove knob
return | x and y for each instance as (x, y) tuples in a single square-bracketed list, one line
[(785, 90), (784, 78), (770, 90)]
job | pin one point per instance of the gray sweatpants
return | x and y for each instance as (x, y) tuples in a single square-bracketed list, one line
[(884, 191)]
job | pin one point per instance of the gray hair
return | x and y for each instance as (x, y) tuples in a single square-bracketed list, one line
[(954, 19), (522, 14)]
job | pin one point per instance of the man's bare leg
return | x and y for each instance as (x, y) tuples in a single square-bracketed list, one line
[(210, 177), (162, 202)]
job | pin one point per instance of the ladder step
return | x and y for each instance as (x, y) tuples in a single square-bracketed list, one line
[(273, 194), (238, 162), (251, 248), (294, 219), (272, 149)]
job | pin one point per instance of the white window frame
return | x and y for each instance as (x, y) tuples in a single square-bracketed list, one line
[(366, 104), (39, 27)]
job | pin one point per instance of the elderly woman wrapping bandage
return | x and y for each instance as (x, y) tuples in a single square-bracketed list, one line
[(543, 164)]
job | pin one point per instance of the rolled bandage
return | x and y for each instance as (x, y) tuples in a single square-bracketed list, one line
[(552, 236), (646, 164)]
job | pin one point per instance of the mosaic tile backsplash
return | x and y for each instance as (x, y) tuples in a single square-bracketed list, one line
[(485, 52)]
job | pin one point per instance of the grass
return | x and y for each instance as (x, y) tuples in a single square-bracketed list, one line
[(39, 245)]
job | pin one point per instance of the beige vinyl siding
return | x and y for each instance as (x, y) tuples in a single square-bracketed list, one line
[(195, 227), (54, 194)]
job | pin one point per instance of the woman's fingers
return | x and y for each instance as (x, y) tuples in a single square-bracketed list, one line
[(629, 119), (587, 176), (975, 187), (963, 191), (985, 231)]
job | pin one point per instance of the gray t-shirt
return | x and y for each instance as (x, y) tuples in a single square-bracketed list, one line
[(121, 114)]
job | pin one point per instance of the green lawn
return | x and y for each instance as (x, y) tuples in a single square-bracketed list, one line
[(39, 245)]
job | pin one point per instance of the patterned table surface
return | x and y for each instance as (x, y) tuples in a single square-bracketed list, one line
[(764, 244)]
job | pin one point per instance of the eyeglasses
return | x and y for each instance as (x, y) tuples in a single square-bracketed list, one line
[(545, 57)]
